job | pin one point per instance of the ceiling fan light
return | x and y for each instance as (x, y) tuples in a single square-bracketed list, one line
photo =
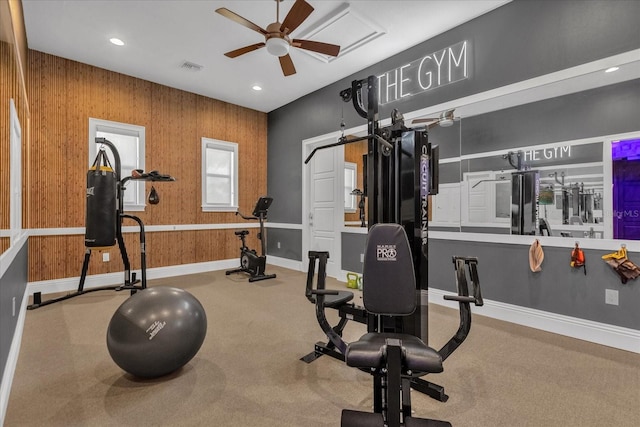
[(445, 123), (277, 46)]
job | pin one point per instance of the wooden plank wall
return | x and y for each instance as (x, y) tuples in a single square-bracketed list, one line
[(6, 86), (64, 95)]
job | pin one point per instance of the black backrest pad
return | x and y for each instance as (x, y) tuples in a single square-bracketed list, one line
[(389, 284)]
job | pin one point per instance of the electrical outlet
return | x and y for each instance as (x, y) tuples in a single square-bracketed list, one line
[(361, 257), (105, 257), (611, 296), (278, 245)]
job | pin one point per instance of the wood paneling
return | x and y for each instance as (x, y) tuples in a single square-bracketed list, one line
[(62, 256), (7, 87), (64, 95)]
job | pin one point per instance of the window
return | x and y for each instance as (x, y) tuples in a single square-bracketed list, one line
[(129, 141), (350, 183), (219, 175)]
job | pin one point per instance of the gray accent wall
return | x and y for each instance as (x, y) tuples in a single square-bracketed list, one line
[(13, 284), (505, 276), (288, 240), (513, 43), (353, 245), (516, 42)]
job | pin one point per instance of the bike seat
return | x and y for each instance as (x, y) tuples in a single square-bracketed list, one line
[(242, 233)]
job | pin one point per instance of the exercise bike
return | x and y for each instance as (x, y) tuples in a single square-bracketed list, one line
[(250, 262)]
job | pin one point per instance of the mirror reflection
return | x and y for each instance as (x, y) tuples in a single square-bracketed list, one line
[(355, 205), (625, 171), (572, 189), (553, 189)]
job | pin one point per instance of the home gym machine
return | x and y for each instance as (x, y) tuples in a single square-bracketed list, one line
[(104, 217), (402, 174), (250, 262)]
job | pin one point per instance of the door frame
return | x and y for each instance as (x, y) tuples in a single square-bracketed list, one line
[(307, 147)]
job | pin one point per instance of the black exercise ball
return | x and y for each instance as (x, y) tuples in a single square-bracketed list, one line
[(156, 331)]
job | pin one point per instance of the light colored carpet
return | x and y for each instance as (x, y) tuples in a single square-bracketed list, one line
[(248, 371)]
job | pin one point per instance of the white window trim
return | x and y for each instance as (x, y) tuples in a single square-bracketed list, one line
[(353, 207), (226, 146), (15, 198), (123, 128)]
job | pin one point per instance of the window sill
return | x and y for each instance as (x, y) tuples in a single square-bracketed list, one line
[(219, 208), (134, 208)]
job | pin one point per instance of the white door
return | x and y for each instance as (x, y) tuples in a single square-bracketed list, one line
[(326, 206), (478, 197)]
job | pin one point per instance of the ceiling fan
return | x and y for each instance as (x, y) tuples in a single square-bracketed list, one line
[(445, 119), (277, 39)]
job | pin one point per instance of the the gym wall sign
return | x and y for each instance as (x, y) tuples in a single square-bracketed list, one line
[(548, 153), (432, 71)]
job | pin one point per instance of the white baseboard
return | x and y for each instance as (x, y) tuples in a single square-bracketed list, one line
[(12, 360), (69, 284), (587, 330)]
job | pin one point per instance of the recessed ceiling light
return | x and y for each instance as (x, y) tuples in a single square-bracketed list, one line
[(256, 87), (611, 70), (116, 41)]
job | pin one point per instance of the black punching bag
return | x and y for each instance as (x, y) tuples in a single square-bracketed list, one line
[(101, 204)]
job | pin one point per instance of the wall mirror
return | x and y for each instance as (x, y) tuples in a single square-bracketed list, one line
[(501, 180), (553, 189)]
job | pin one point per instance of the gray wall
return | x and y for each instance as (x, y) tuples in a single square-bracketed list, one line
[(289, 241), (518, 41), (515, 42), (13, 284), (352, 246), (505, 276)]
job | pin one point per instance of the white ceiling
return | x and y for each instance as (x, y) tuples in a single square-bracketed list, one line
[(161, 35)]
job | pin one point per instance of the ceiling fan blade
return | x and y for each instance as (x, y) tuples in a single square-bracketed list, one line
[(287, 65), (296, 16), (240, 20), (324, 48), (243, 50)]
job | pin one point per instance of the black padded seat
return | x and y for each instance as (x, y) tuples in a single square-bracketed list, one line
[(390, 289), (334, 301), (368, 352), (360, 419), (421, 422)]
